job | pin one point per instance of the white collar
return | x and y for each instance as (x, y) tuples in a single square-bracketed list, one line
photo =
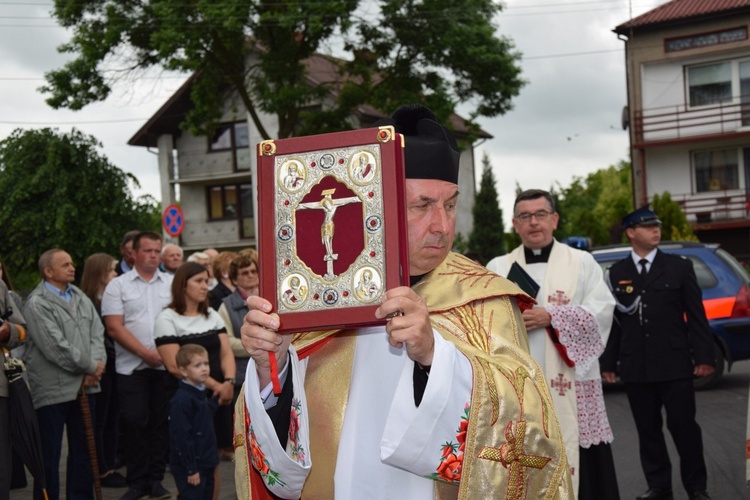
[(649, 257)]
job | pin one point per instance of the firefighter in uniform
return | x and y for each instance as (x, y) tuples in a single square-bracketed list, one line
[(661, 339)]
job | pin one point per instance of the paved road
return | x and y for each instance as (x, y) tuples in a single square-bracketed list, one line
[(722, 413), (226, 469)]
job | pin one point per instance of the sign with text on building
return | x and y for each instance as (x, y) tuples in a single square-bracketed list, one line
[(173, 220)]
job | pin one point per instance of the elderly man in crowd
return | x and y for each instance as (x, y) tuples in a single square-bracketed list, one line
[(171, 258), (65, 356)]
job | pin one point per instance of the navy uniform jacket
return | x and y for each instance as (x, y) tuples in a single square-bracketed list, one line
[(668, 332)]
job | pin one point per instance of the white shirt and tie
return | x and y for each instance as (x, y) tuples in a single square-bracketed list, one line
[(639, 261)]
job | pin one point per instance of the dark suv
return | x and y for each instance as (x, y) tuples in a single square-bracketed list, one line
[(726, 296)]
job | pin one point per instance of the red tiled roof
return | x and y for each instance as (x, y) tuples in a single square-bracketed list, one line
[(677, 11)]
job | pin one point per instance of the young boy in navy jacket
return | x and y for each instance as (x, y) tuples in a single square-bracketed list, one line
[(192, 442)]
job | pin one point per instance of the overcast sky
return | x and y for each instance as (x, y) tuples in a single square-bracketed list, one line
[(565, 122)]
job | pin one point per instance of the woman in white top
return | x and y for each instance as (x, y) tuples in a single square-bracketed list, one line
[(189, 320)]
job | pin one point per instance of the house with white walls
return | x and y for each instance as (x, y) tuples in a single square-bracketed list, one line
[(688, 113)]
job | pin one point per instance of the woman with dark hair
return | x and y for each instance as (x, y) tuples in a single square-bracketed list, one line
[(189, 320), (98, 271)]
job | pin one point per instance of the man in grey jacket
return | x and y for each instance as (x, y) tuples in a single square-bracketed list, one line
[(12, 334), (66, 353)]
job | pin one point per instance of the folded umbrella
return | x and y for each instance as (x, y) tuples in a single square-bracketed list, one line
[(24, 429)]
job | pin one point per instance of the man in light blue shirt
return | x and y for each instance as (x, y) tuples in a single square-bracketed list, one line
[(65, 355)]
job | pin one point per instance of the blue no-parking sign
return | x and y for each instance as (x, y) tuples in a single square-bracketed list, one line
[(173, 220)]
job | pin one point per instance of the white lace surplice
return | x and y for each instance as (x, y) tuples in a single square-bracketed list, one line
[(578, 331)]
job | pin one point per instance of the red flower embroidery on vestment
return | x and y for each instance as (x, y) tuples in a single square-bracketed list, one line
[(450, 468), (294, 426), (461, 436), (452, 454), (259, 459), (298, 451)]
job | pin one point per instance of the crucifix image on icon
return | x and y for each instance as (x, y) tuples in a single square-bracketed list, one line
[(329, 205)]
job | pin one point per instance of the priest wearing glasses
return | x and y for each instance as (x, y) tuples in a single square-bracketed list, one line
[(568, 330)]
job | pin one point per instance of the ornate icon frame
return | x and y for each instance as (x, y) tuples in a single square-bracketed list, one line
[(296, 175)]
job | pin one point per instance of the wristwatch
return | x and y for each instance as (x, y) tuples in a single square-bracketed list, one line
[(230, 380)]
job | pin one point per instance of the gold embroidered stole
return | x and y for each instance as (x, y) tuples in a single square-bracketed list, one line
[(560, 281), (513, 443), (327, 380), (327, 386)]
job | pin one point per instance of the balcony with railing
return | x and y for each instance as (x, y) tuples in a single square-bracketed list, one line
[(716, 208), (680, 123), (204, 166)]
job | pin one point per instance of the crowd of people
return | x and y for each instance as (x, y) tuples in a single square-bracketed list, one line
[(116, 339), (467, 386)]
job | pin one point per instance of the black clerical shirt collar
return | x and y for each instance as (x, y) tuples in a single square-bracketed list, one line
[(542, 256), (413, 280)]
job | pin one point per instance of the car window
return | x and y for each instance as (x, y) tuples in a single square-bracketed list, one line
[(735, 266), (706, 278)]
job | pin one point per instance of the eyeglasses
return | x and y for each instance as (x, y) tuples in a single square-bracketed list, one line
[(541, 215)]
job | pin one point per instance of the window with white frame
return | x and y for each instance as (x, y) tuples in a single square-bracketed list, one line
[(710, 84), (716, 169), (720, 83)]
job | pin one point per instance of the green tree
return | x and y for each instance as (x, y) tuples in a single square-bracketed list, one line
[(675, 226), (438, 52), (594, 206), (511, 239), (486, 239), (560, 208), (59, 192), (459, 244)]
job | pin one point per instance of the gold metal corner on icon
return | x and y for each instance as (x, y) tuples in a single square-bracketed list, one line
[(267, 148), (385, 134)]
